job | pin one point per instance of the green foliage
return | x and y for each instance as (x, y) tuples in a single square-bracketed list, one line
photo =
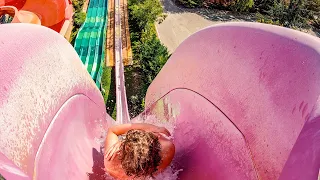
[(73, 35), (149, 55), (263, 5), (162, 18), (314, 14), (297, 14), (265, 19), (294, 14), (143, 12), (313, 6), (135, 89), (316, 23), (236, 5), (190, 3), (289, 13), (242, 5), (77, 5), (79, 18), (109, 90)]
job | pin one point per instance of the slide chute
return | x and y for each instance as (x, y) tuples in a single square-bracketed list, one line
[(242, 99)]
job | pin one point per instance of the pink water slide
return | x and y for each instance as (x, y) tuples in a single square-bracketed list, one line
[(243, 98), (55, 14)]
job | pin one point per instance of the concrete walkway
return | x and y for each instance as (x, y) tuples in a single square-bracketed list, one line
[(178, 25), (181, 22)]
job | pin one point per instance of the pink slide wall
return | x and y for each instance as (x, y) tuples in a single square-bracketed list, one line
[(243, 98), (244, 91), (51, 113)]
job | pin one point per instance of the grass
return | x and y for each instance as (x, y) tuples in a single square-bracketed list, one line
[(109, 90), (78, 19)]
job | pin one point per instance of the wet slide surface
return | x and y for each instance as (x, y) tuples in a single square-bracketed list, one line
[(242, 101), (90, 41), (122, 105)]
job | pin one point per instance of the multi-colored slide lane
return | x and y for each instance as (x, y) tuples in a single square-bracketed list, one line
[(125, 34), (90, 41)]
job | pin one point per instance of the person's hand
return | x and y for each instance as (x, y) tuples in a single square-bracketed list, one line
[(112, 152)]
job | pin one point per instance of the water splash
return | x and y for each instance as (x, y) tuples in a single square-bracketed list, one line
[(168, 174)]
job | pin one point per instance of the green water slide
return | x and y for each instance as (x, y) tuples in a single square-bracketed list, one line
[(91, 39)]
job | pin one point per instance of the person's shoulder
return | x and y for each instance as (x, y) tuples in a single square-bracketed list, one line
[(167, 153), (114, 169), (171, 150)]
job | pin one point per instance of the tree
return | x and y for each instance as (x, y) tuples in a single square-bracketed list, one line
[(263, 6), (190, 3), (79, 18), (149, 55), (77, 5), (314, 15), (294, 14), (242, 5), (143, 12)]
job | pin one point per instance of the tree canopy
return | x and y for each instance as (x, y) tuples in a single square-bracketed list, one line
[(149, 55)]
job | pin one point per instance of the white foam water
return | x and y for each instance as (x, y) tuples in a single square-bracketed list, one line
[(168, 174)]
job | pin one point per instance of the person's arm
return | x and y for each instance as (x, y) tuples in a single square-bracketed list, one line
[(168, 151), (124, 128), (112, 144)]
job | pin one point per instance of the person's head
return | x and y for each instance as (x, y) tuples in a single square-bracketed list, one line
[(140, 153)]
